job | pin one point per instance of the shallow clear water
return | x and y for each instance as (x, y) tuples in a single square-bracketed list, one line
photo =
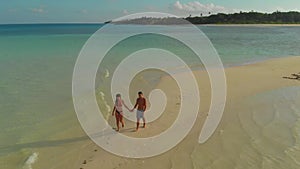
[(37, 61), (264, 132)]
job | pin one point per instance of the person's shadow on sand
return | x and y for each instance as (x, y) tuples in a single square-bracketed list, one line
[(52, 143), (132, 129)]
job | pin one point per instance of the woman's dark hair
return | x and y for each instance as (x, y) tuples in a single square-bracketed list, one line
[(140, 92)]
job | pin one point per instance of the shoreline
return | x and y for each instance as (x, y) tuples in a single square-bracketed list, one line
[(262, 61)]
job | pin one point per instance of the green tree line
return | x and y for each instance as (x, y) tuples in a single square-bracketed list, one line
[(248, 18), (252, 17)]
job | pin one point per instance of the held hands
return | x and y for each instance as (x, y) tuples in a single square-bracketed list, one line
[(130, 110)]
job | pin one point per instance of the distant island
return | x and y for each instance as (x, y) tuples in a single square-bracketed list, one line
[(292, 17)]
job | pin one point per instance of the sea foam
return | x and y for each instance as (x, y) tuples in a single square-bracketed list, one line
[(30, 160)]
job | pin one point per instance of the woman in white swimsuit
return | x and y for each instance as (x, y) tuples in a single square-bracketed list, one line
[(118, 111)]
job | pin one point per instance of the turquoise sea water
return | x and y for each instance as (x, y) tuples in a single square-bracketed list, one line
[(37, 61)]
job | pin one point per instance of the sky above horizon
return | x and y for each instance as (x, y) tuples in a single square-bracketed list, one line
[(49, 11)]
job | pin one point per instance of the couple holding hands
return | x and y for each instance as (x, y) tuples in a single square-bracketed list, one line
[(140, 105)]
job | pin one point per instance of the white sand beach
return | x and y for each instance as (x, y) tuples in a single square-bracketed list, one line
[(232, 145)]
